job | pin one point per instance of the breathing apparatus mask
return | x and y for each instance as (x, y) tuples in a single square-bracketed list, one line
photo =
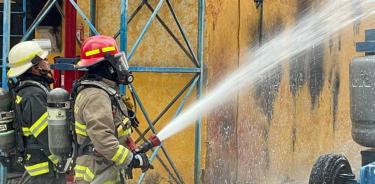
[(121, 68)]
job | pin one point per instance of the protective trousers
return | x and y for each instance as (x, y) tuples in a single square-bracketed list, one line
[(43, 179), (109, 176)]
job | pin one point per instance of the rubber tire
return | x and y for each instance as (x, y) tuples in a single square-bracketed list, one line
[(327, 169)]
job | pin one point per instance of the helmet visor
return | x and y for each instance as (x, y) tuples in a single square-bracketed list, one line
[(122, 61), (122, 68)]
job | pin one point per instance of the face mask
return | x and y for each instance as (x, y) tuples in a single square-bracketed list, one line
[(47, 75), (36, 61), (44, 72)]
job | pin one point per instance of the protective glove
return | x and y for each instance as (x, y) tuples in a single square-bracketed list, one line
[(140, 160), (133, 119)]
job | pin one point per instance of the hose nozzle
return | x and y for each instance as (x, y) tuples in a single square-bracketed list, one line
[(153, 141)]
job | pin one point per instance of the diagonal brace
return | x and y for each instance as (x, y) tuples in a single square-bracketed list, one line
[(139, 39), (183, 33), (131, 87), (171, 34), (168, 106)]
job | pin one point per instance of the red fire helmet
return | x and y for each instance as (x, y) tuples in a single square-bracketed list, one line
[(94, 49)]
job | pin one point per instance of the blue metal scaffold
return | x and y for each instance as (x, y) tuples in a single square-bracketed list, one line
[(196, 58), (6, 35)]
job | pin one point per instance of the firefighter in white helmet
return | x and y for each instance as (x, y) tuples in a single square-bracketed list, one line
[(29, 64)]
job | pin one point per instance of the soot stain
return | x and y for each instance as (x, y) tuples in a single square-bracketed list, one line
[(276, 27), (334, 80), (356, 11), (316, 73), (294, 138), (335, 94), (332, 44), (298, 67), (255, 42), (297, 73), (303, 7), (267, 89)]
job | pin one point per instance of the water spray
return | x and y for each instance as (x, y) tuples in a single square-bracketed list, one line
[(310, 30)]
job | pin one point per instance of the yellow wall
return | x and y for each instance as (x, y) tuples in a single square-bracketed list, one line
[(269, 134), (156, 90), (278, 129)]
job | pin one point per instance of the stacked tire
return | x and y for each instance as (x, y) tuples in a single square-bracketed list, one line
[(331, 169)]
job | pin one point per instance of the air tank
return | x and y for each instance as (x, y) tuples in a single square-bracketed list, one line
[(7, 133), (362, 100), (59, 137)]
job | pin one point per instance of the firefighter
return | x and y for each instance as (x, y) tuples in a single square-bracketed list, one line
[(29, 64), (102, 123)]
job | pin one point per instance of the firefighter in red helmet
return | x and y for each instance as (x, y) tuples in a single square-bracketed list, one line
[(102, 123)]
